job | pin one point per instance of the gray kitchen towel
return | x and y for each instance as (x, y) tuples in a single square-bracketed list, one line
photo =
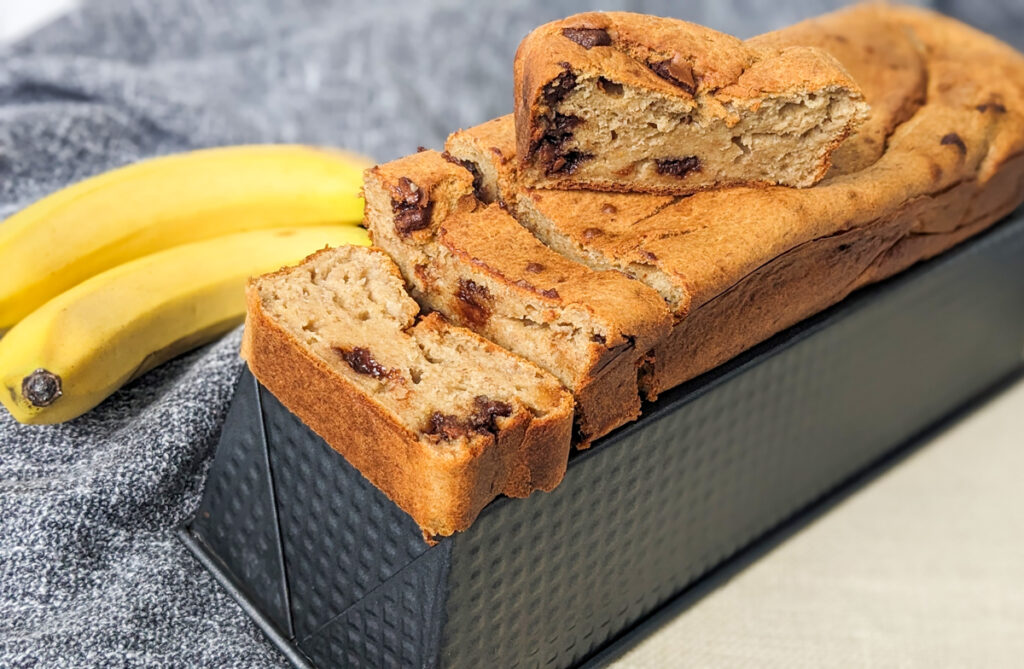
[(90, 572)]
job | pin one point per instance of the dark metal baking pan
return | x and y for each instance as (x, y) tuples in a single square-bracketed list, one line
[(338, 576)]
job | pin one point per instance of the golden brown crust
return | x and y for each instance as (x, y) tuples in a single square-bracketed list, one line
[(667, 57), (443, 487), (468, 245)]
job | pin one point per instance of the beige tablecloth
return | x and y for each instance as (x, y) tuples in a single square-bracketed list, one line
[(922, 567)]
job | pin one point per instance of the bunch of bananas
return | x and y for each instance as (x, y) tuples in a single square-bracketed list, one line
[(104, 280)]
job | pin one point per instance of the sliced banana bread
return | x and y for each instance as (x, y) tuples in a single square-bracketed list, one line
[(941, 159), (477, 266), (438, 418), (627, 102)]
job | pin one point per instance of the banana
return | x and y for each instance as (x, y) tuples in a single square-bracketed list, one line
[(74, 351), (127, 213)]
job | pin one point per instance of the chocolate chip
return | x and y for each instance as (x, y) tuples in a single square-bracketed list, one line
[(609, 87), (485, 413), (556, 133), (548, 292), (420, 149), (678, 167), (446, 426), (649, 256), (474, 169), (568, 162), (559, 87), (588, 38), (608, 208), (564, 124), (362, 362), (994, 106), (599, 338), (472, 302), (405, 192), (534, 267), (411, 207), (677, 71), (483, 419), (590, 233), (549, 148), (41, 388), (954, 139)]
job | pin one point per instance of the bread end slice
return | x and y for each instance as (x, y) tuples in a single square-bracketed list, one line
[(439, 419)]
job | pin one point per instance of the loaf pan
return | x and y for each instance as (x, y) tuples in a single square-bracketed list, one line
[(338, 576)]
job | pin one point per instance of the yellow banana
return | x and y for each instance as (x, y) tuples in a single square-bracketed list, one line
[(127, 213), (74, 351)]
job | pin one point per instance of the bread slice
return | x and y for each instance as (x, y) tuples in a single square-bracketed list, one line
[(481, 269), (438, 418), (940, 159), (626, 102)]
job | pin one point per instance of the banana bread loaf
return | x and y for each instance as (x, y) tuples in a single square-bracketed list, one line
[(477, 266), (940, 159), (438, 418), (626, 102)]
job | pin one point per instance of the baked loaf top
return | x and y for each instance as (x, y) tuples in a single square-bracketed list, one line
[(480, 268), (948, 104), (628, 102), (437, 417)]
